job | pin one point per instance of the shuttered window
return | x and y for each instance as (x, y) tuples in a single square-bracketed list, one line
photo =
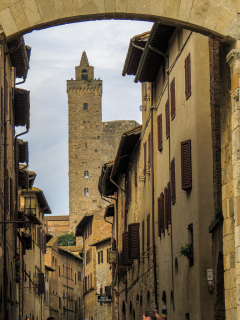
[(166, 208), (79, 276), (161, 214), (169, 204), (149, 149), (134, 246), (145, 157), (186, 164), (143, 238), (167, 118), (108, 291), (126, 259), (188, 76), (173, 183), (148, 231), (173, 100), (41, 283), (159, 126)]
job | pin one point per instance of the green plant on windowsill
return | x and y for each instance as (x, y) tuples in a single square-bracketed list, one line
[(187, 250)]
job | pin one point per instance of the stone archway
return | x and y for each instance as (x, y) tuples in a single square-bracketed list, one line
[(219, 18)]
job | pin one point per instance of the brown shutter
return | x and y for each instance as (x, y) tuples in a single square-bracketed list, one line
[(169, 204), (134, 246), (101, 256), (108, 291), (22, 151), (159, 125), (162, 212), (145, 158), (21, 107), (188, 76), (149, 149), (143, 238), (41, 283), (167, 118), (165, 208), (173, 101), (148, 231), (173, 184), (186, 164), (126, 259), (159, 216)]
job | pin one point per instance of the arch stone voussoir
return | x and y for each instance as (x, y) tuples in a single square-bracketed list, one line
[(219, 18)]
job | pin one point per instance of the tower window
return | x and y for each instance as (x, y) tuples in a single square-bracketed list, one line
[(84, 74), (86, 194), (85, 106), (86, 174)]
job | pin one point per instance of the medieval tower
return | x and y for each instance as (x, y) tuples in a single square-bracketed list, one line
[(91, 142)]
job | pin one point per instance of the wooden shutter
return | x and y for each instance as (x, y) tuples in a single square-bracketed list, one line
[(159, 126), (159, 216), (173, 184), (186, 164), (41, 283), (173, 100), (165, 208), (126, 259), (149, 149), (161, 212), (169, 204), (148, 231), (143, 238), (102, 256), (134, 246), (108, 291), (145, 157), (188, 76), (167, 118), (22, 151)]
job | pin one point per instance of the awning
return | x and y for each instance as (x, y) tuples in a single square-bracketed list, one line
[(105, 186), (145, 64), (20, 56), (126, 148)]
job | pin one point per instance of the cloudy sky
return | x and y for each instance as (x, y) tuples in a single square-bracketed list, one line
[(55, 53)]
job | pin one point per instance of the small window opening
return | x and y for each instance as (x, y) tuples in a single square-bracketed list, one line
[(84, 74), (86, 174), (85, 106), (86, 194)]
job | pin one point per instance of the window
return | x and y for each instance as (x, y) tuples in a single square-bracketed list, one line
[(85, 106), (100, 257), (186, 164), (84, 74), (159, 126), (173, 184), (167, 119), (143, 236), (173, 101), (188, 77), (86, 194), (79, 275), (145, 158), (86, 174), (134, 241), (149, 149), (148, 231), (160, 214)]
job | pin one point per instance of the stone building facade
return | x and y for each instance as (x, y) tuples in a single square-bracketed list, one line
[(93, 229), (168, 203), (91, 141), (65, 282), (57, 225)]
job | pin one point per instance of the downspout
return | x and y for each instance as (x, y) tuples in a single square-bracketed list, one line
[(169, 150), (153, 209)]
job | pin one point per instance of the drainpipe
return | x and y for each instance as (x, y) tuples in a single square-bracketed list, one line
[(153, 209)]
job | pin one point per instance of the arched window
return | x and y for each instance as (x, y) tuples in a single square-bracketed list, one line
[(84, 74), (85, 106), (86, 174), (86, 194)]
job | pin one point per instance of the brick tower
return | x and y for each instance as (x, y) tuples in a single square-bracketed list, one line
[(91, 141), (84, 123)]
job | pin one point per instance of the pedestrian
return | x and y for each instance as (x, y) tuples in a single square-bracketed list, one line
[(157, 316)]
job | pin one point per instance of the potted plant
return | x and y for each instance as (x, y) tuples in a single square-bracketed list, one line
[(187, 250)]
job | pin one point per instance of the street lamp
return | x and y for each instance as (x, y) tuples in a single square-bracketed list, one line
[(30, 205)]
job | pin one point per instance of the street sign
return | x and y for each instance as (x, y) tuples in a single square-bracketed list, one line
[(104, 299)]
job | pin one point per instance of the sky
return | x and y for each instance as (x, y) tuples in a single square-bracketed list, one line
[(55, 53)]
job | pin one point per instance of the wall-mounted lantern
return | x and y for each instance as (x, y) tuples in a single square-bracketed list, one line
[(112, 257), (30, 205)]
